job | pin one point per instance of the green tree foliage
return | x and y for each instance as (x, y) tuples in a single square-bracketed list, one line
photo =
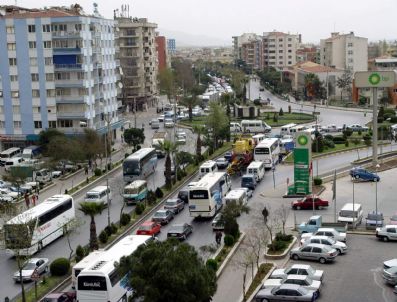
[(169, 271), (281, 112), (167, 82), (314, 87), (344, 82), (134, 137), (46, 135), (169, 148), (199, 130), (347, 132), (62, 147), (92, 144), (318, 144), (217, 123), (92, 209), (60, 267), (184, 158), (381, 112)]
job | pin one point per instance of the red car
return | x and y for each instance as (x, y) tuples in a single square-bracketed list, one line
[(149, 227), (60, 297), (307, 203)]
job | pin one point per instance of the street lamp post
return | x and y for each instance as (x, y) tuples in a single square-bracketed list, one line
[(353, 203), (107, 120), (315, 115), (376, 195)]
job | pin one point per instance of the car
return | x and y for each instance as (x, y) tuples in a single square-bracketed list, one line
[(6, 191), (393, 219), (247, 191), (161, 118), (180, 231), (66, 166), (307, 203), (222, 163), (298, 269), (286, 292), (395, 290), (169, 123), (20, 190), (150, 228), (163, 216), (228, 155), (338, 245), (218, 223), (180, 139), (331, 128), (40, 265), (374, 220), (184, 195), (301, 280), (386, 233), (357, 127), (56, 174), (390, 275), (360, 173), (4, 184), (314, 251), (180, 132), (248, 181), (60, 297), (174, 204), (329, 232), (5, 198)]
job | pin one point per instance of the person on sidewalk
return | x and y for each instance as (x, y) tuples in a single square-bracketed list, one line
[(86, 170), (34, 199), (218, 237), (27, 201)]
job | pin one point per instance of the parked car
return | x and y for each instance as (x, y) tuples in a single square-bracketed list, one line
[(307, 203), (161, 118), (163, 216), (357, 127), (20, 190), (313, 251), (301, 280), (386, 233), (329, 232), (390, 275), (56, 174), (218, 223), (4, 184), (184, 195), (248, 181), (286, 292), (222, 163), (38, 264), (175, 204), (180, 139), (360, 173), (298, 269), (149, 227), (338, 245), (393, 219), (60, 297), (331, 128), (374, 220), (5, 198), (7, 191), (247, 191), (180, 231), (180, 132)]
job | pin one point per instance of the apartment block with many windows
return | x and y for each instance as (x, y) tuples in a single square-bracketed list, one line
[(279, 49)]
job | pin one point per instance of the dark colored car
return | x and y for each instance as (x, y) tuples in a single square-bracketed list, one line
[(228, 155), (307, 203), (163, 216), (176, 205), (184, 195), (248, 181), (360, 173), (180, 231), (60, 297)]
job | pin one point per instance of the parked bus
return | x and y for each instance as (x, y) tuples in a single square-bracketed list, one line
[(88, 261), (255, 126), (286, 129), (135, 192), (102, 280), (205, 197), (39, 225), (9, 153), (140, 164), (268, 151)]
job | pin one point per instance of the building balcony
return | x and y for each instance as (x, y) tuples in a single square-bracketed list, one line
[(66, 34), (69, 83), (71, 115), (117, 62), (129, 45), (70, 99), (68, 67), (67, 51)]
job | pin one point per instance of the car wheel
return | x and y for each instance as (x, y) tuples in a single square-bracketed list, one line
[(322, 260), (385, 238), (298, 207), (319, 208), (295, 257), (376, 179), (265, 300), (356, 177)]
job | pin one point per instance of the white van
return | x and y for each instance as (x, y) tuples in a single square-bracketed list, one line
[(296, 129), (255, 126), (42, 176), (207, 167), (235, 128), (12, 162), (9, 153), (258, 138), (352, 215), (286, 129), (99, 194), (257, 168), (238, 197)]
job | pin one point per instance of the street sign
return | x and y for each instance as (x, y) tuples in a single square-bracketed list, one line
[(35, 275), (375, 79), (302, 163)]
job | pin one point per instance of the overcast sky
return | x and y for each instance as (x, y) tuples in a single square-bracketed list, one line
[(222, 19)]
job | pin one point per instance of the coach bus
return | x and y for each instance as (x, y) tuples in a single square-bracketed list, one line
[(140, 164)]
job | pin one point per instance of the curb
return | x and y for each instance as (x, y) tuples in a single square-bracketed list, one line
[(251, 298), (360, 233), (281, 256), (229, 256), (302, 195)]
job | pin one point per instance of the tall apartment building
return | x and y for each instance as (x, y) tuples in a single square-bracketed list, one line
[(58, 70), (135, 39), (279, 49), (171, 46), (345, 51), (251, 53), (238, 41), (162, 53)]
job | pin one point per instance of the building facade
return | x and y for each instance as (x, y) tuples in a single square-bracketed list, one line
[(171, 46), (162, 53), (238, 41), (279, 49), (58, 71), (136, 50), (345, 51)]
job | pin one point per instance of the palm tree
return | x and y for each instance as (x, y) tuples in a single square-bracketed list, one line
[(199, 130), (92, 209), (310, 79), (190, 102), (169, 148)]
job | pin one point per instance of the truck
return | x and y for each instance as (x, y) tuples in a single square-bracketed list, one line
[(315, 222), (158, 138), (31, 173)]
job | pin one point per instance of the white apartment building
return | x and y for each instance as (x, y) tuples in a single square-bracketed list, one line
[(59, 72), (344, 51), (279, 49)]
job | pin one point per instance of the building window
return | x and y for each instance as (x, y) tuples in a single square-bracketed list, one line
[(10, 30), (280, 63), (13, 78), (32, 44), (350, 44), (2, 124), (280, 51), (65, 123), (289, 39), (289, 50), (31, 28), (280, 57), (17, 124), (289, 45), (15, 109), (52, 124), (350, 52), (35, 93), (35, 77), (49, 77), (47, 44), (48, 61), (15, 94), (38, 125), (350, 60), (12, 61), (46, 28), (289, 62), (33, 61), (50, 93), (62, 76), (11, 46)]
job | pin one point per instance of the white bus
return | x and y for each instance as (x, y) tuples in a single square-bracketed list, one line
[(88, 261), (101, 281), (286, 129), (267, 151), (205, 197), (258, 138), (9, 153), (40, 225), (255, 126), (140, 164)]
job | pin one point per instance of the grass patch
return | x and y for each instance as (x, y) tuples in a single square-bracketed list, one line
[(43, 288), (287, 118), (264, 268), (223, 254)]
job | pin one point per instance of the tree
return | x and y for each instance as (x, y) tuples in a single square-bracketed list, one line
[(184, 158), (229, 214), (218, 123), (344, 82), (245, 258), (134, 137), (169, 271), (45, 137), (271, 221), (92, 144), (169, 148), (92, 209), (190, 102), (199, 130), (64, 148), (282, 214), (167, 82)]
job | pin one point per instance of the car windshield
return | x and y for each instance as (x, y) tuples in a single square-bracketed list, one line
[(374, 217), (160, 214), (92, 195), (177, 228), (170, 203), (246, 179), (346, 213), (29, 266)]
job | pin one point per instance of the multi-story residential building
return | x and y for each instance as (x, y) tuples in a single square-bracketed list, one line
[(171, 46), (304, 54), (251, 53), (238, 41), (58, 70), (345, 51), (279, 49), (162, 53), (138, 59)]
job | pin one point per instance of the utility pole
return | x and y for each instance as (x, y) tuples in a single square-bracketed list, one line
[(134, 112), (107, 120), (375, 125)]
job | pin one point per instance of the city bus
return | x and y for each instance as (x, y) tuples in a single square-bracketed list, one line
[(87, 261), (40, 225), (140, 164), (135, 192), (206, 196), (268, 151), (102, 281)]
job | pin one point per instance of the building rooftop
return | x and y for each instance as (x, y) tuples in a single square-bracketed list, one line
[(312, 67), (17, 12)]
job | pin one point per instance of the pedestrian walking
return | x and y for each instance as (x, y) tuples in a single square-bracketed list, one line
[(27, 201), (86, 170), (37, 197), (34, 200), (218, 237), (90, 163)]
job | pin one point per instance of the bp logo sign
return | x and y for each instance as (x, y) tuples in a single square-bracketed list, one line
[(374, 79), (302, 140)]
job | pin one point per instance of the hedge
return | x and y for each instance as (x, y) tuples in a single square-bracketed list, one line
[(60, 267)]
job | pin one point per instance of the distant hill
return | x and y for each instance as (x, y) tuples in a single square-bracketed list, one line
[(190, 40)]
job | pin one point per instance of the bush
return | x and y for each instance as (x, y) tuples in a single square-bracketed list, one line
[(232, 228), (140, 207), (281, 112), (80, 253), (289, 108), (356, 141), (380, 119), (125, 219), (393, 119), (228, 240), (159, 193), (329, 143), (317, 181), (126, 155), (103, 236), (212, 264), (114, 228), (347, 132), (108, 230), (389, 111), (277, 245), (329, 137), (347, 143), (97, 172), (339, 140), (151, 197), (284, 237), (275, 118), (388, 115), (60, 267), (359, 132)]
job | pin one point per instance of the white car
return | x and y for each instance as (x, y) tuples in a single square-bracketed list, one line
[(181, 139), (298, 269), (38, 264), (169, 123), (4, 191), (386, 233), (329, 232), (6, 198), (302, 280), (247, 191), (161, 118), (56, 174), (180, 132), (337, 245)]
